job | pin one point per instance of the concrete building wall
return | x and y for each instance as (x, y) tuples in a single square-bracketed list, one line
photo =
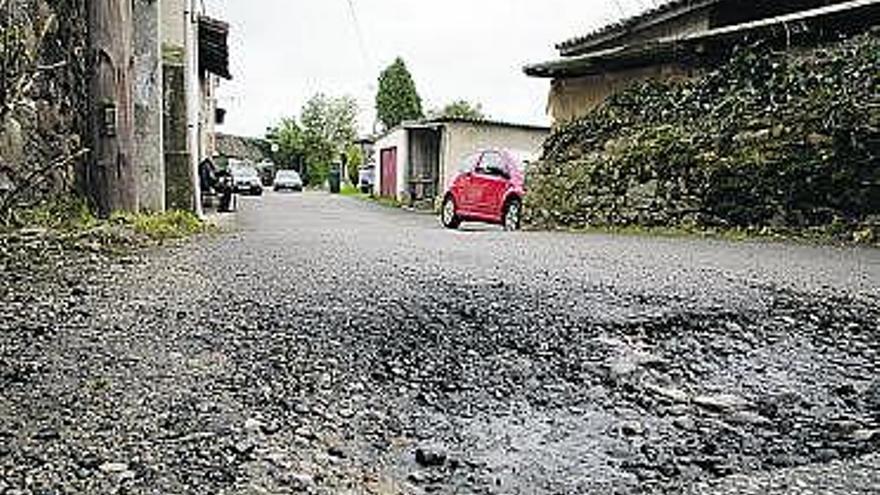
[(462, 139), (149, 155), (399, 139), (172, 28), (572, 98)]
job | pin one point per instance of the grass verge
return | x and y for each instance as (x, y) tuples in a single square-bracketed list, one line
[(72, 225)]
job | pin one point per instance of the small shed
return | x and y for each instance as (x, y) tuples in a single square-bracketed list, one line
[(417, 160)]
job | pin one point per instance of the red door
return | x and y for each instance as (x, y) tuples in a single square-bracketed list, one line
[(388, 178)]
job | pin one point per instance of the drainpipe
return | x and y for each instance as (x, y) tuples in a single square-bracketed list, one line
[(193, 92)]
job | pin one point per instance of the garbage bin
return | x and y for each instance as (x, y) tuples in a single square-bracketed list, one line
[(335, 179)]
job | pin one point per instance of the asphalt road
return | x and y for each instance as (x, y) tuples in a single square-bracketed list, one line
[(330, 345)]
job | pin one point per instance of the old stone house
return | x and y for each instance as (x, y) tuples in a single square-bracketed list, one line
[(181, 54), (681, 38), (418, 160)]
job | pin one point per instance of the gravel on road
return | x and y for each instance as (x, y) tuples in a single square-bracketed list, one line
[(329, 345)]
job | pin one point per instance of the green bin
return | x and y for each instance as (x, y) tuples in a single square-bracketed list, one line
[(335, 179)]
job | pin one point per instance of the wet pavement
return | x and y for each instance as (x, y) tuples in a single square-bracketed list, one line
[(330, 345)]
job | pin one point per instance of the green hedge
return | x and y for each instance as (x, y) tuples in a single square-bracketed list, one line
[(770, 140)]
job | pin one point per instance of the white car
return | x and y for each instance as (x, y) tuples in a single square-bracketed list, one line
[(287, 180), (246, 180)]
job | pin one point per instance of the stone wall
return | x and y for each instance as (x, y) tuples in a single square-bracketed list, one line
[(772, 141)]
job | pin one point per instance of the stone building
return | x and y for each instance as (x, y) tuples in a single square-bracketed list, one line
[(181, 54), (680, 38), (417, 161)]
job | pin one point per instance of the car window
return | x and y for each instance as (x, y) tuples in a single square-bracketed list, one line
[(491, 163)]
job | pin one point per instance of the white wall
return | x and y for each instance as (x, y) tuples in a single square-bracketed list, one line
[(398, 138), (463, 139)]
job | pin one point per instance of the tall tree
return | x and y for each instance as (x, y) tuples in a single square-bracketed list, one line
[(112, 178), (461, 109), (329, 126), (397, 99)]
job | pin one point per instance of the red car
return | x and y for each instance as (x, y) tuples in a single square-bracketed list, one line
[(490, 188)]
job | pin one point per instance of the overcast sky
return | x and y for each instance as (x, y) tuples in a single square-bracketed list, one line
[(284, 51)]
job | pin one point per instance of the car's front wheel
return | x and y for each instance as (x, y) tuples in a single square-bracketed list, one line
[(513, 215), (448, 216)]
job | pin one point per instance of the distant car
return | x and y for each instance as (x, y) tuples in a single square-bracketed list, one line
[(287, 180), (246, 180), (367, 179), (489, 188)]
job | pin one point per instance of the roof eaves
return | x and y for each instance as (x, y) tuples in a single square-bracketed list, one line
[(663, 13), (600, 61)]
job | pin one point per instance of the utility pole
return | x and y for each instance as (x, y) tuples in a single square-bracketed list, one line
[(111, 177)]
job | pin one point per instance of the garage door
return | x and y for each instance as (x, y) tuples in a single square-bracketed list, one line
[(389, 173)]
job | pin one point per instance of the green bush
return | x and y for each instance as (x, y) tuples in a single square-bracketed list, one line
[(770, 140)]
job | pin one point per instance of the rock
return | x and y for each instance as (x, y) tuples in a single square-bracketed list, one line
[(724, 403), (416, 477), (865, 435), (114, 467), (301, 482), (253, 425), (244, 448), (337, 452), (671, 394), (685, 423), (306, 433), (748, 418), (431, 456), (270, 428), (47, 434), (632, 429)]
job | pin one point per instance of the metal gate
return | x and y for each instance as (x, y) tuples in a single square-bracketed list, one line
[(388, 173)]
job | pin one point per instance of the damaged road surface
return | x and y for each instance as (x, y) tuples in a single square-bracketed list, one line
[(333, 346)]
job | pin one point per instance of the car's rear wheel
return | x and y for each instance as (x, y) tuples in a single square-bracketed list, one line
[(512, 215), (448, 216)]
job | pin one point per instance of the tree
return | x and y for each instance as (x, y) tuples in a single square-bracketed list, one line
[(289, 138), (461, 109), (397, 99), (354, 162), (329, 125)]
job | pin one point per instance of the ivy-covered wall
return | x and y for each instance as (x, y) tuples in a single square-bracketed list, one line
[(783, 141)]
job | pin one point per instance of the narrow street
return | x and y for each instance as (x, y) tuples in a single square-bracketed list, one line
[(329, 345)]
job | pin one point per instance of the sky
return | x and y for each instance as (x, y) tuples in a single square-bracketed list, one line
[(284, 51)]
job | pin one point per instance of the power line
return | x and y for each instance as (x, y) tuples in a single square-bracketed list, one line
[(359, 33)]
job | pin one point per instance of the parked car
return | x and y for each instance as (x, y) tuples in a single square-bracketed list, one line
[(246, 180), (287, 180), (367, 179), (490, 187)]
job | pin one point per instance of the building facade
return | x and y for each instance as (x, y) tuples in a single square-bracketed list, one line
[(180, 56), (417, 161)]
